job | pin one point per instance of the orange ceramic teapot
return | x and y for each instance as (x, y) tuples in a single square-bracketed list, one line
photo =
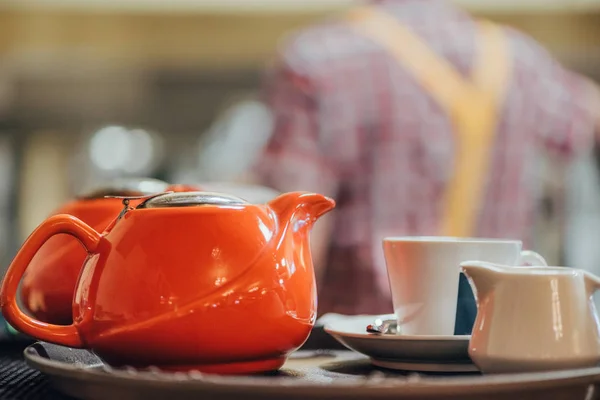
[(48, 285), (187, 281)]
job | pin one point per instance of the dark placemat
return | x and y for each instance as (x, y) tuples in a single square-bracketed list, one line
[(18, 381)]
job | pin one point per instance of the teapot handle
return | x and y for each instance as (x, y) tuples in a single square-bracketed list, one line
[(64, 335), (529, 257)]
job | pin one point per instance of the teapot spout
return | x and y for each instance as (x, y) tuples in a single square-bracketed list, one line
[(482, 276), (299, 206)]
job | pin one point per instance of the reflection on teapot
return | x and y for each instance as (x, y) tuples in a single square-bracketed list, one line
[(533, 318), (48, 285), (187, 280)]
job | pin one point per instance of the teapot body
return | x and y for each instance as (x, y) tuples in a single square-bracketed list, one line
[(535, 319), (182, 287)]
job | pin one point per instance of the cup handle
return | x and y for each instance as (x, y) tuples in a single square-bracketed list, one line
[(66, 335), (532, 258)]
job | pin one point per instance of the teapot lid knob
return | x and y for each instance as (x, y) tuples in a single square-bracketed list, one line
[(190, 199), (128, 187)]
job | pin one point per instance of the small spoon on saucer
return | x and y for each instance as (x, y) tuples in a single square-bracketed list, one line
[(383, 327)]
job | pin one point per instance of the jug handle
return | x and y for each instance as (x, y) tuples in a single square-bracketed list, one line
[(66, 335)]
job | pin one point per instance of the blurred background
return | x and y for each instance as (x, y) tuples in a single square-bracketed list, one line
[(97, 89)]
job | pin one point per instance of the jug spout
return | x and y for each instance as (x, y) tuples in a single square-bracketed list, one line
[(482, 276), (300, 206)]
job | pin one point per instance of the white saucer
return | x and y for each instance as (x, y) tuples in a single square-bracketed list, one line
[(409, 353)]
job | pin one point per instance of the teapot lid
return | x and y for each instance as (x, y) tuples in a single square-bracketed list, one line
[(127, 187), (190, 199)]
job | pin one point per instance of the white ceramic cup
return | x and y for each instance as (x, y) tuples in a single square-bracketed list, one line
[(424, 275)]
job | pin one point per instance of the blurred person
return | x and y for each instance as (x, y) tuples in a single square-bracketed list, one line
[(226, 150), (370, 119)]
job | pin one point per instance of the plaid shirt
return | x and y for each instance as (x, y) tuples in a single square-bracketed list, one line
[(351, 123)]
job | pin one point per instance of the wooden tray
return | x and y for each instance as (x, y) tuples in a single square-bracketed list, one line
[(308, 374)]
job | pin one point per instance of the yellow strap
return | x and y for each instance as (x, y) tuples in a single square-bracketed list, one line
[(476, 120), (471, 105)]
